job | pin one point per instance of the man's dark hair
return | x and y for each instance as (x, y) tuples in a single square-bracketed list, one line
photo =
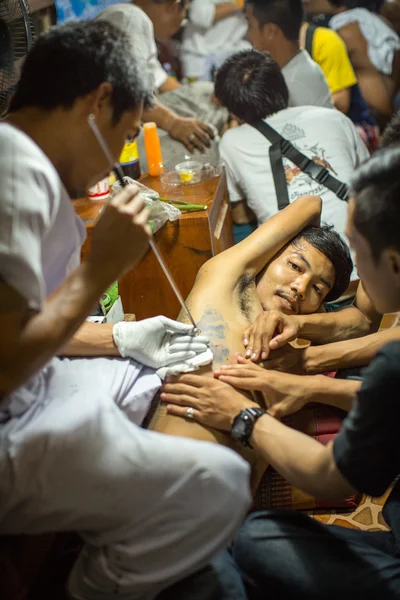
[(72, 60), (327, 241), (288, 15), (391, 135), (251, 86), (376, 189)]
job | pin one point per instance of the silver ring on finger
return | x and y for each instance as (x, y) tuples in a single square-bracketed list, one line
[(190, 413), (192, 137)]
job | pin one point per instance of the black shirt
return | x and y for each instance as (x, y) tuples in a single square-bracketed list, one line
[(367, 449)]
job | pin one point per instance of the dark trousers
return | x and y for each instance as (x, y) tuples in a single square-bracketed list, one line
[(287, 555)]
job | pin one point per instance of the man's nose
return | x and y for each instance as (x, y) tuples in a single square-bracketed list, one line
[(299, 287)]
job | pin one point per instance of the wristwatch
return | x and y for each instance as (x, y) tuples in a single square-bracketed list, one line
[(243, 424)]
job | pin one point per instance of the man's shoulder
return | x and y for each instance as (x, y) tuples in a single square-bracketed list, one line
[(20, 154), (129, 11), (235, 137)]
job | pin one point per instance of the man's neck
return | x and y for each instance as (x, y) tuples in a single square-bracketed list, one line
[(285, 52)]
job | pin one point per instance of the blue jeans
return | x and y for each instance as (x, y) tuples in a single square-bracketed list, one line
[(289, 556), (220, 580)]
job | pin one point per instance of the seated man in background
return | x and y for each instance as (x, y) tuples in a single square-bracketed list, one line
[(274, 27), (289, 264), (186, 114), (250, 84), (328, 50), (373, 48), (215, 30)]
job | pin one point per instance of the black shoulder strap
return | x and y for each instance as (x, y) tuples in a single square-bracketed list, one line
[(309, 37), (282, 147)]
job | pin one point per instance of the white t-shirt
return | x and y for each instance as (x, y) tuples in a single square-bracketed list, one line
[(136, 24), (203, 39), (40, 233), (319, 133), (306, 82)]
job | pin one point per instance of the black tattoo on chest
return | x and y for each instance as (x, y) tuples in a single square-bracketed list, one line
[(213, 325)]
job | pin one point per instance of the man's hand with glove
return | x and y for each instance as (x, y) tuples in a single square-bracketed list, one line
[(158, 342)]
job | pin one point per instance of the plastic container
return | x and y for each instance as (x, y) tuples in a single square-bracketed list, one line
[(100, 191), (129, 160), (189, 171), (153, 149)]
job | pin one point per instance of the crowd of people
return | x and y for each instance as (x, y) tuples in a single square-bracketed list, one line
[(156, 474)]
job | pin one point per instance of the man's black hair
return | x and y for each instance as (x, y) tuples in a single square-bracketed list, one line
[(391, 135), (72, 60), (251, 86), (327, 241), (288, 15), (376, 189)]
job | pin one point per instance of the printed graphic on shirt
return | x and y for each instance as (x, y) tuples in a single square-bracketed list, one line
[(300, 184)]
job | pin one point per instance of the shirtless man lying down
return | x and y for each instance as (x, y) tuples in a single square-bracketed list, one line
[(289, 264)]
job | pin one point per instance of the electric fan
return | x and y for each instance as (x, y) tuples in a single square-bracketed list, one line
[(16, 38)]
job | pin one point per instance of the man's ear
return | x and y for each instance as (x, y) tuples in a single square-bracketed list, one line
[(270, 31), (393, 258), (100, 100)]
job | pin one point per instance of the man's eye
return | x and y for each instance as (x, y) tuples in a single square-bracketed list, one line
[(294, 266), (318, 290)]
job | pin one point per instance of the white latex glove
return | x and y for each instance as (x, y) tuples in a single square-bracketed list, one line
[(193, 364), (158, 342)]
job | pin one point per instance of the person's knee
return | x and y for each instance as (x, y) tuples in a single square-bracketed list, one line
[(229, 475)]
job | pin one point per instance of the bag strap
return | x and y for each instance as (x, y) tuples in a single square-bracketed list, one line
[(309, 38), (282, 147)]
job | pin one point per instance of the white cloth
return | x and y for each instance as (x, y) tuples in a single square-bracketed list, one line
[(382, 41), (136, 24), (206, 45), (323, 134), (151, 508), (306, 82)]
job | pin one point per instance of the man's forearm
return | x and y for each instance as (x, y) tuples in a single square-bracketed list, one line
[(226, 9), (343, 324), (162, 116), (46, 332), (301, 460), (350, 353), (333, 392), (169, 85), (91, 339)]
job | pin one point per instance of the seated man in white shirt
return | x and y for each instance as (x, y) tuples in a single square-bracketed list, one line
[(215, 30), (274, 27), (250, 84), (187, 117)]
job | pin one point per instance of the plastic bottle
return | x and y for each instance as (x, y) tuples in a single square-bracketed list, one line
[(129, 160), (153, 149)]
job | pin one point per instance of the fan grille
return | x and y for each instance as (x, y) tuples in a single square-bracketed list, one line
[(16, 37)]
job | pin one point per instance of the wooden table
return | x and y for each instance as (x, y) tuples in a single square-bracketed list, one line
[(185, 244)]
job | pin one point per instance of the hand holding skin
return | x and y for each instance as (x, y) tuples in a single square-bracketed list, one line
[(285, 393), (271, 330), (215, 403)]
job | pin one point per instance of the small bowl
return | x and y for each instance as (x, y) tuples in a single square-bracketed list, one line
[(189, 171)]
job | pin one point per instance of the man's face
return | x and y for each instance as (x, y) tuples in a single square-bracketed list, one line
[(259, 37), (380, 278), (167, 18), (87, 163), (296, 281)]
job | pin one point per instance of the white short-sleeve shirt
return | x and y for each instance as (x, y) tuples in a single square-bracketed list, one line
[(136, 24), (322, 134), (40, 234), (306, 82)]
